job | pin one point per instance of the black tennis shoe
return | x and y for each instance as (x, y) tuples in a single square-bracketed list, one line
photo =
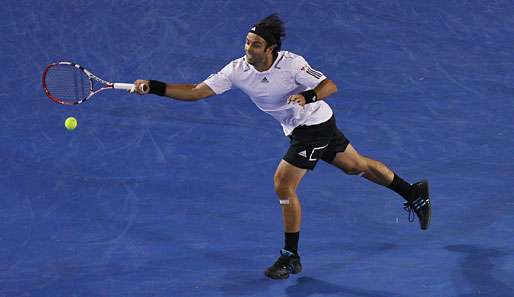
[(420, 205), (288, 263)]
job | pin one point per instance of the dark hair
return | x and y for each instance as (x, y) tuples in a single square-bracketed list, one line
[(275, 26)]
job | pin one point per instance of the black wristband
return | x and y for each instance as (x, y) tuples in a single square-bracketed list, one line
[(157, 87), (310, 96)]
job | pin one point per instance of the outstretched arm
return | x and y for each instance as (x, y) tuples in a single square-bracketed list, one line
[(184, 92)]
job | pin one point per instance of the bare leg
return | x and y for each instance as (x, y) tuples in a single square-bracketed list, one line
[(287, 178), (351, 162)]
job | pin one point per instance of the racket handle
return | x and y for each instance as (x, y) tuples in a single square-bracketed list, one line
[(123, 86)]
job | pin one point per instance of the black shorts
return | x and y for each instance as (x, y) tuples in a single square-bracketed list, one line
[(310, 143)]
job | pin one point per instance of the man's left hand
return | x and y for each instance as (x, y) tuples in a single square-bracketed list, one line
[(298, 99)]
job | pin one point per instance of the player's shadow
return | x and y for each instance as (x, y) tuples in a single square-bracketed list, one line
[(247, 281), (308, 286), (477, 269)]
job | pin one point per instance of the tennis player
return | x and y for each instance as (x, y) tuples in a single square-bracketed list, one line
[(285, 86)]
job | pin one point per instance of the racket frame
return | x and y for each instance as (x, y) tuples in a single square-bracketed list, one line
[(105, 84)]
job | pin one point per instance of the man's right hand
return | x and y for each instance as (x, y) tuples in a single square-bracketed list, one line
[(141, 87)]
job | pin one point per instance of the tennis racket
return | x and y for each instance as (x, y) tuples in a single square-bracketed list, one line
[(68, 83)]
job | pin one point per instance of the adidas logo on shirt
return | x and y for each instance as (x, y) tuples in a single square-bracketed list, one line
[(264, 80), (303, 154)]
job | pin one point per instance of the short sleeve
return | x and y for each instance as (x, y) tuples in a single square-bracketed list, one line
[(221, 82), (305, 75)]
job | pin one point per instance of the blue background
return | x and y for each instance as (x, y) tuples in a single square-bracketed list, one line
[(155, 197)]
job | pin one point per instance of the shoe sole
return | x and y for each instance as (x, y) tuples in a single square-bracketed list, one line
[(425, 195), (285, 276), (269, 276)]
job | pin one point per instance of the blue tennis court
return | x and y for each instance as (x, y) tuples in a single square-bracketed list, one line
[(155, 197)]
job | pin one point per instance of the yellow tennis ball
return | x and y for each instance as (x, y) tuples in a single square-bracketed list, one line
[(70, 123)]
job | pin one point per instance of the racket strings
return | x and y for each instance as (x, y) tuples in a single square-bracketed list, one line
[(67, 83)]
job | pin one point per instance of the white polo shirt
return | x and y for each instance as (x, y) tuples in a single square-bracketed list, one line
[(290, 74)]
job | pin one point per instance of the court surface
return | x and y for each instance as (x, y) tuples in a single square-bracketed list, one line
[(155, 197)]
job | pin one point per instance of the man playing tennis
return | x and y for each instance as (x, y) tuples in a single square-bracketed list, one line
[(283, 85)]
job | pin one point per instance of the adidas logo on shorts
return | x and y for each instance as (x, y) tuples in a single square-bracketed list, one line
[(303, 154)]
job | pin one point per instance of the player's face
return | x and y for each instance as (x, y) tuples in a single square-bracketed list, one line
[(255, 49)]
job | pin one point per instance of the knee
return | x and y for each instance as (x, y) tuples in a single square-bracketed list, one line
[(283, 188), (355, 168)]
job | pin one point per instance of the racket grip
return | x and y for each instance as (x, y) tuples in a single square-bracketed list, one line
[(123, 86)]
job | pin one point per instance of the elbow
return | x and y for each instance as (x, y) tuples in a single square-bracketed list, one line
[(334, 87), (195, 97)]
